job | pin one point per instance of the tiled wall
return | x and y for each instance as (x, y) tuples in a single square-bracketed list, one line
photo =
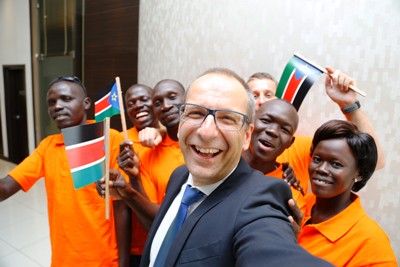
[(180, 39)]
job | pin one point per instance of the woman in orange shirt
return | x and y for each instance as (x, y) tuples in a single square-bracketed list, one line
[(335, 226)]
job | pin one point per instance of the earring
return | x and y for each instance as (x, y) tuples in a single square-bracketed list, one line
[(355, 180)]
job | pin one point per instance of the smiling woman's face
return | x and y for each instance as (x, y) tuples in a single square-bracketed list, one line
[(332, 169)]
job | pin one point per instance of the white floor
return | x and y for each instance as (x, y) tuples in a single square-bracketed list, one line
[(24, 228)]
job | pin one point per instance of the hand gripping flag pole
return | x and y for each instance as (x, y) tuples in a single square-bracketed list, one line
[(298, 77), (355, 89)]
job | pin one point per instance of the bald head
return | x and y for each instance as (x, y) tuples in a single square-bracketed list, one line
[(231, 74), (169, 83), (282, 110)]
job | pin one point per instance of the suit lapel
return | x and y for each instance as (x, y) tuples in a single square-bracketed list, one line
[(173, 188), (218, 195)]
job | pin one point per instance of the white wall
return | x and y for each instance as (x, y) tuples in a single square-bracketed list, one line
[(180, 39), (15, 44)]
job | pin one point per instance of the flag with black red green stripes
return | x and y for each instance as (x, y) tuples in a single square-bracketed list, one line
[(296, 80), (84, 145)]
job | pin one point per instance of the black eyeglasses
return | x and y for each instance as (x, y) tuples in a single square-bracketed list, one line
[(224, 119), (72, 79)]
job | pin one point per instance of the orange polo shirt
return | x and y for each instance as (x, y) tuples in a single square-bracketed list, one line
[(157, 165), (297, 196), (298, 156), (133, 135), (350, 238), (79, 233), (139, 234)]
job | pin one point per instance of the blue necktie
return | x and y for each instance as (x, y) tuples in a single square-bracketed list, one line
[(190, 196)]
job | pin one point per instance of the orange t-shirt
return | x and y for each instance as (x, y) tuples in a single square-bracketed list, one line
[(157, 165), (297, 196), (133, 135), (79, 233), (350, 238), (139, 234), (298, 156)]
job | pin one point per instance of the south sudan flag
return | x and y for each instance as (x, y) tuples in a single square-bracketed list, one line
[(107, 104), (296, 80), (84, 145)]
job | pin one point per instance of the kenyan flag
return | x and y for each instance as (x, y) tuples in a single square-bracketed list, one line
[(84, 145), (296, 80)]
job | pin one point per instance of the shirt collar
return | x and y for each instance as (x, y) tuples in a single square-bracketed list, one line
[(343, 221), (58, 138), (208, 189)]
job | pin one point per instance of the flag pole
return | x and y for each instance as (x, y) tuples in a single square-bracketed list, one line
[(107, 162), (121, 108), (355, 89)]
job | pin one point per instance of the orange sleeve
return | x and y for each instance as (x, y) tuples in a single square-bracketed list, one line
[(31, 168)]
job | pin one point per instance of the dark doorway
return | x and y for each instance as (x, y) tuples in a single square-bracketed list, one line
[(15, 99), (111, 46)]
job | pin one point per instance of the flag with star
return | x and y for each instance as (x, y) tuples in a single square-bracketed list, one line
[(296, 80), (107, 105)]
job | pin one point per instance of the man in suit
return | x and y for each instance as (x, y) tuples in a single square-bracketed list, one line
[(242, 219)]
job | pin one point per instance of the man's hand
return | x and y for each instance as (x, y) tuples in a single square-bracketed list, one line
[(337, 87), (290, 177), (117, 185), (297, 217), (128, 160), (151, 137)]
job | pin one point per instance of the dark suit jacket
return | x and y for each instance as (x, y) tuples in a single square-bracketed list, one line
[(242, 223)]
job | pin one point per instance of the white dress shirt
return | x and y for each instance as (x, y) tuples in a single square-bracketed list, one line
[(173, 210)]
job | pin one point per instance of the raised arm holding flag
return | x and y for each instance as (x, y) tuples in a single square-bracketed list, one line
[(298, 77)]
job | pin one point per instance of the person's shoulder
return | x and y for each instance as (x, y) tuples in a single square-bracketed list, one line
[(257, 177), (265, 179), (301, 140), (51, 139), (369, 235), (180, 170), (369, 228), (256, 181)]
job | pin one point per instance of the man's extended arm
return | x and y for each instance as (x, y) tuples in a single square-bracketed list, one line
[(8, 187)]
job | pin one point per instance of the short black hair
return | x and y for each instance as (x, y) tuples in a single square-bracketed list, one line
[(362, 146), (69, 78)]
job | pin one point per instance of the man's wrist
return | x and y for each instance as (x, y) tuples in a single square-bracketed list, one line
[(350, 108)]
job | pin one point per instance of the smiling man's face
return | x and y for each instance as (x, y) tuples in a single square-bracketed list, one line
[(211, 153), (139, 106), (274, 126), (166, 95)]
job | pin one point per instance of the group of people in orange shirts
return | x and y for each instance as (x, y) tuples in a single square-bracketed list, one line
[(323, 173)]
